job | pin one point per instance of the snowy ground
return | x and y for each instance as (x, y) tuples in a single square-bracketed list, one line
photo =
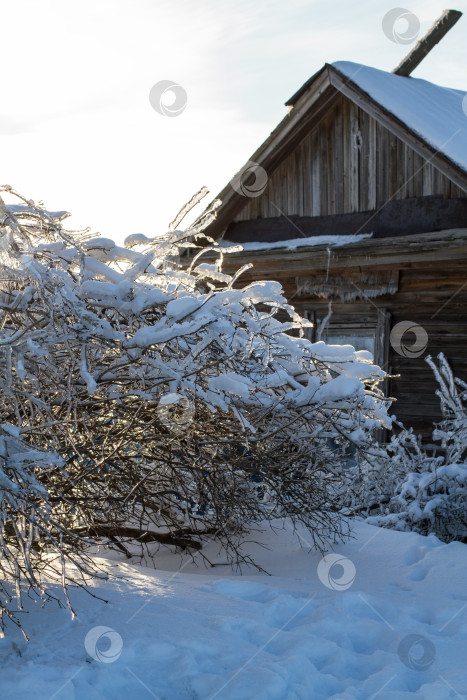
[(389, 623)]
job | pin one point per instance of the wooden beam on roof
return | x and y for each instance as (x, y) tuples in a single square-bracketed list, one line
[(423, 47)]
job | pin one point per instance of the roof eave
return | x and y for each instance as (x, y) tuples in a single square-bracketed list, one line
[(305, 87), (448, 244)]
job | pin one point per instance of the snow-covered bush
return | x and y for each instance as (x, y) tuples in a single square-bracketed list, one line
[(178, 403), (370, 481), (452, 392), (407, 488)]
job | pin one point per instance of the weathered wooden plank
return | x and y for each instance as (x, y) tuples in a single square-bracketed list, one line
[(392, 174), (323, 161), (372, 156), (380, 166), (400, 192), (346, 141), (306, 175), (338, 175), (427, 179), (272, 196), (418, 165), (282, 204), (363, 163), (437, 182), (424, 45), (315, 173), (330, 165), (289, 203), (410, 183), (354, 153)]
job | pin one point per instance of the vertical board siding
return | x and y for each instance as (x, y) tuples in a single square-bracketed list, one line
[(315, 169), (348, 162)]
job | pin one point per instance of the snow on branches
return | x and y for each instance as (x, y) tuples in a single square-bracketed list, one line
[(181, 404), (404, 486), (452, 392)]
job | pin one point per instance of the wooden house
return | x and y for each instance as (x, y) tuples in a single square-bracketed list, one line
[(359, 197)]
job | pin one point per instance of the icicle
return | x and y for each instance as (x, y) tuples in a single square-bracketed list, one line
[(322, 324)]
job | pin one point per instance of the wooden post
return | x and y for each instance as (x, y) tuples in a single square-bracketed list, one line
[(442, 25)]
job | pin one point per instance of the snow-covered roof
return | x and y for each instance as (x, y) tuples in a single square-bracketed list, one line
[(437, 114)]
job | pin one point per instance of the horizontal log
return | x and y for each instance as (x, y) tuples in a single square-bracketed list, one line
[(419, 248)]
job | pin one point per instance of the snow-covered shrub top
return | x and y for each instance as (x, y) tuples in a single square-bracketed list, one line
[(146, 319)]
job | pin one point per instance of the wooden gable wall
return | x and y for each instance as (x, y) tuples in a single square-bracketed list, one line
[(347, 163)]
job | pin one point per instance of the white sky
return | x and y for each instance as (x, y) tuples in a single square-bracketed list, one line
[(76, 126)]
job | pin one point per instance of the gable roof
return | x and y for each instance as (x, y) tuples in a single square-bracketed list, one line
[(429, 118), (438, 115)]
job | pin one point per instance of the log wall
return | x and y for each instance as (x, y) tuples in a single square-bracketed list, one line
[(432, 296), (431, 293)]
